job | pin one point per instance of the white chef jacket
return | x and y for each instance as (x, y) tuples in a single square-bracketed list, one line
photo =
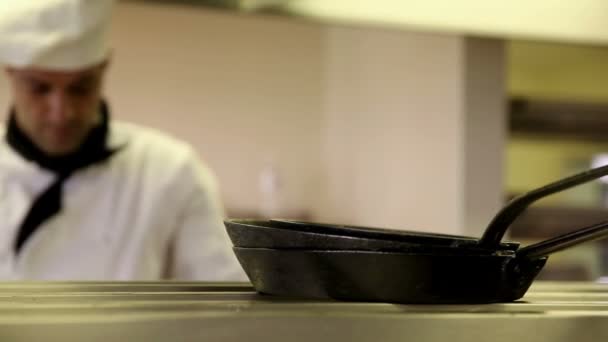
[(149, 212)]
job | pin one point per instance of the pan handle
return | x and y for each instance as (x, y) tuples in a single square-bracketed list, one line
[(501, 222), (538, 250)]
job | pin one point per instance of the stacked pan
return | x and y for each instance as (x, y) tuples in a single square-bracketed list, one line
[(327, 261)]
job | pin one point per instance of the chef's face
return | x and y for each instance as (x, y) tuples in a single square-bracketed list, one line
[(57, 109)]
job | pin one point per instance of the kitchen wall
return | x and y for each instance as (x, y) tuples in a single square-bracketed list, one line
[(415, 130), (557, 71), (365, 126), (560, 72), (393, 100), (245, 91), (534, 161)]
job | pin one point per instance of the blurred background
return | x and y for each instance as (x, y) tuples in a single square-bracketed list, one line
[(416, 115)]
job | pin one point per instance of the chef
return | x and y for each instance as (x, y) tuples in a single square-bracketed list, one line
[(83, 196)]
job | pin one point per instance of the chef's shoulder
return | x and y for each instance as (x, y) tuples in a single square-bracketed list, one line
[(158, 152)]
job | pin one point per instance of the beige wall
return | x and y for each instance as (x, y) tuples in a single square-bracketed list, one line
[(415, 130), (393, 104), (243, 90), (485, 131), (364, 126)]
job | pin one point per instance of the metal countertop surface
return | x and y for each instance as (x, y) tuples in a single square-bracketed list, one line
[(168, 311)]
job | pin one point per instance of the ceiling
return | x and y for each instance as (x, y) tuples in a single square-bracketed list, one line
[(582, 21)]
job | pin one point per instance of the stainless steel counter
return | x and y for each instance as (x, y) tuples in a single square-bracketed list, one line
[(233, 312)]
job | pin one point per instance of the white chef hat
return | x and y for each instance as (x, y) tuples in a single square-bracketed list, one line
[(54, 34)]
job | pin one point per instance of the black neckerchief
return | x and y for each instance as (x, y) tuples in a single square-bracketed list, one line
[(92, 151)]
